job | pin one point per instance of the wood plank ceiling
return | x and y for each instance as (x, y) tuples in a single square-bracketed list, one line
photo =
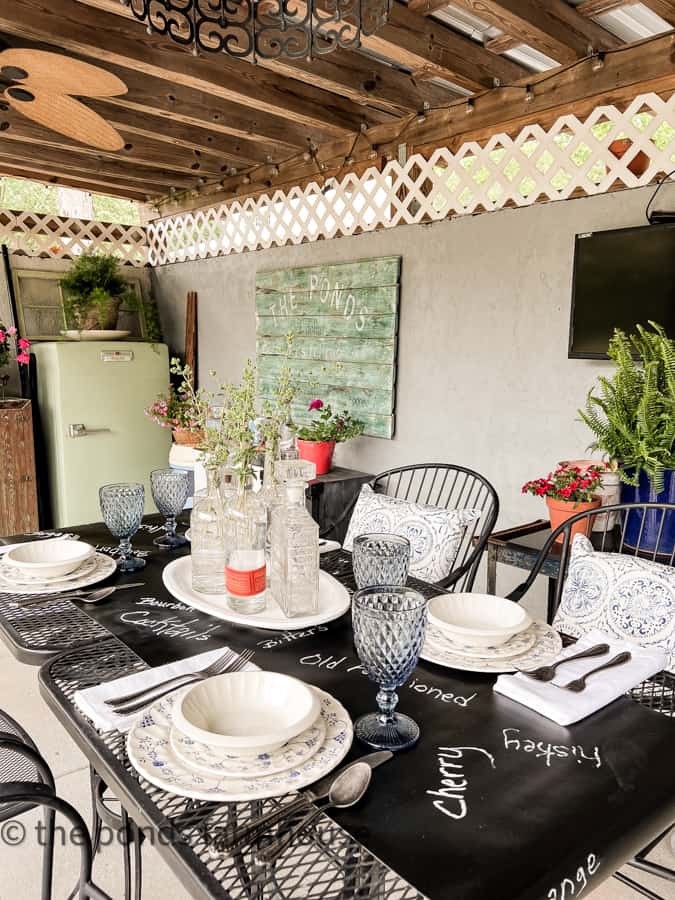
[(199, 129)]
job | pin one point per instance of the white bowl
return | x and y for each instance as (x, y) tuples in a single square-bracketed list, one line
[(246, 712), (477, 620), (49, 558)]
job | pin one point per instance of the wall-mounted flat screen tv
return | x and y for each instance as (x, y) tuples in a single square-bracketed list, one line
[(621, 277)]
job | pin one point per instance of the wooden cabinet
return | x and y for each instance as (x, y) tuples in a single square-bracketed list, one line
[(18, 491)]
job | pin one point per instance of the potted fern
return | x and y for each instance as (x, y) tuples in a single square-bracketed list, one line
[(632, 415), (94, 291)]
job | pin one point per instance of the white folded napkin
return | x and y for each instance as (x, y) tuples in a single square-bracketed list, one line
[(566, 707), (91, 701)]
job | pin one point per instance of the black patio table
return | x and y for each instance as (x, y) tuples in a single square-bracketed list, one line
[(494, 803)]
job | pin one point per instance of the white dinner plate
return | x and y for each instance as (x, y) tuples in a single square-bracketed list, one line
[(214, 761), (103, 567), (10, 573), (548, 644), (515, 646), (333, 601), (151, 754)]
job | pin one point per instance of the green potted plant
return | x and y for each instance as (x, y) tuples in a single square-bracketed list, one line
[(632, 416), (178, 411), (568, 491), (93, 292), (316, 441)]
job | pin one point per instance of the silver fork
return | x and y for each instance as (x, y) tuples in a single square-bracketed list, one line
[(230, 661)]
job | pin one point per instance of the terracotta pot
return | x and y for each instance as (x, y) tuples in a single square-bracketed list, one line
[(188, 438), (561, 510), (638, 164), (318, 452)]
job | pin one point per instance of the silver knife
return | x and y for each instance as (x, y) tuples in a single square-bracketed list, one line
[(232, 839)]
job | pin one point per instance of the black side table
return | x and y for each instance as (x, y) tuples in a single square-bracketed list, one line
[(329, 495)]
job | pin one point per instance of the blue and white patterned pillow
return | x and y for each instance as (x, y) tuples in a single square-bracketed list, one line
[(623, 595), (435, 534)]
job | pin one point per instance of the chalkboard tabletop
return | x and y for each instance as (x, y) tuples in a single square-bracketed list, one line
[(494, 802)]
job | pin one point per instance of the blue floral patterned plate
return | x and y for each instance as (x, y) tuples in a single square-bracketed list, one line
[(215, 761), (151, 754)]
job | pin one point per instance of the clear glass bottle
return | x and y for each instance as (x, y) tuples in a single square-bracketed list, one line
[(207, 538), (295, 543), (288, 448), (245, 535)]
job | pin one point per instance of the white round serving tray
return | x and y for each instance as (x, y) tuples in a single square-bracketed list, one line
[(334, 601)]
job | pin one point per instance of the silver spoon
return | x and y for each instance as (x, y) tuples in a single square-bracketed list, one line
[(82, 596), (346, 790)]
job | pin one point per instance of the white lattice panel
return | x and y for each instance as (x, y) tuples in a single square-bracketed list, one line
[(56, 237), (572, 157)]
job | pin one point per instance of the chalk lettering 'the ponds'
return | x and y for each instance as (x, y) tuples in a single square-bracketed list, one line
[(452, 792), (548, 752), (333, 295)]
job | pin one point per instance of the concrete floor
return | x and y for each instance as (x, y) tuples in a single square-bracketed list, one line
[(20, 866)]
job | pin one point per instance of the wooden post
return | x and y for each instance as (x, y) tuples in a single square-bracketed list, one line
[(18, 493), (191, 335)]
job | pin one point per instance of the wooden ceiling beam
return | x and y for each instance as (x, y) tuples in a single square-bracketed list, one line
[(15, 168), (150, 180), (364, 81), (139, 149), (424, 44), (255, 134), (108, 38), (663, 8), (640, 68), (553, 28), (597, 7)]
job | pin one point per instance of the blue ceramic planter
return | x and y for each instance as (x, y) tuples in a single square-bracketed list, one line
[(644, 493)]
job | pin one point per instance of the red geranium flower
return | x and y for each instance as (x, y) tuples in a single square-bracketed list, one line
[(315, 404)]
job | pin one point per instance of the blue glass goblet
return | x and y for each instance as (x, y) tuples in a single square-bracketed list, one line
[(380, 559), (122, 510), (389, 625), (170, 489)]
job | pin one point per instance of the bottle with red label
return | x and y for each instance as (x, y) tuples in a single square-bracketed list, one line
[(245, 536)]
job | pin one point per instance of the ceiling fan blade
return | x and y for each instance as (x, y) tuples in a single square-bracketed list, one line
[(63, 75), (65, 115)]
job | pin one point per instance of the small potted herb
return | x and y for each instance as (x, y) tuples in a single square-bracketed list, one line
[(316, 441), (568, 491)]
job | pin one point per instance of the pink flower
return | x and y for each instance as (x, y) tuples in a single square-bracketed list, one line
[(11, 330), (2, 336), (315, 404), (23, 359), (23, 344)]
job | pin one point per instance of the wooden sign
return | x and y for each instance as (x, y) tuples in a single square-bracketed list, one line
[(335, 327)]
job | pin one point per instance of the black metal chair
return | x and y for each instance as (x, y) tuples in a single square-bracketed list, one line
[(450, 487), (26, 782), (614, 540)]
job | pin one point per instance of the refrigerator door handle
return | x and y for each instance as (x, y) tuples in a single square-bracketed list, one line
[(80, 430)]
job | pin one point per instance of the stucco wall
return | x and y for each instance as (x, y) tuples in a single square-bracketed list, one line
[(483, 374)]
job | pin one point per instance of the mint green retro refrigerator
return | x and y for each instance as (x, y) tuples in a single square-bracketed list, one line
[(91, 396)]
